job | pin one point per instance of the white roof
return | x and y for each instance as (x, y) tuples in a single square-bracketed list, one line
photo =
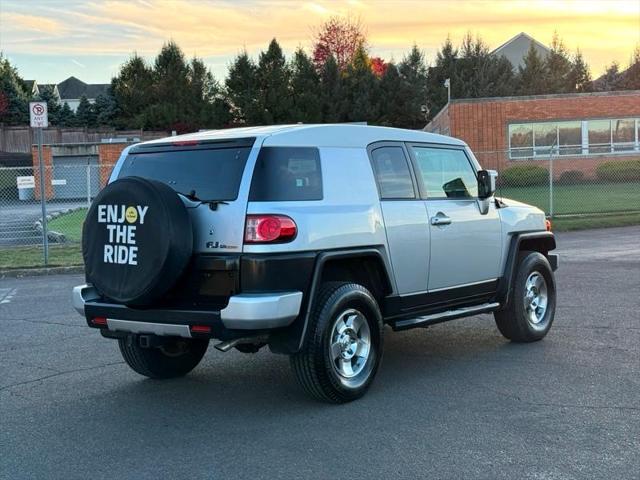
[(320, 135)]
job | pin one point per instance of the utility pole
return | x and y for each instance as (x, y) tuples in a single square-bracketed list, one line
[(447, 83)]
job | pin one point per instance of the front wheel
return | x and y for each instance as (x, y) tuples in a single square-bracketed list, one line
[(531, 309), (175, 358), (343, 347)]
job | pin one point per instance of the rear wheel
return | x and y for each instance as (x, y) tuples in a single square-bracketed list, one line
[(175, 358), (343, 348), (531, 309)]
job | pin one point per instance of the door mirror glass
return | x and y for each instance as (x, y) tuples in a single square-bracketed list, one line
[(486, 183)]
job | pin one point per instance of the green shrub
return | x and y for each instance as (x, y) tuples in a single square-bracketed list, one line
[(571, 177), (524, 176), (622, 171)]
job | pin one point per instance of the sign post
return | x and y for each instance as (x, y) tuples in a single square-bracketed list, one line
[(39, 119)]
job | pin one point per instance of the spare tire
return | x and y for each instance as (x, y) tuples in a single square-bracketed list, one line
[(136, 240)]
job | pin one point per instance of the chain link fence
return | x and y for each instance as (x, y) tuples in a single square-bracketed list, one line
[(69, 190), (563, 184), (577, 186)]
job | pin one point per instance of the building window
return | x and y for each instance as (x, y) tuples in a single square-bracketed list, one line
[(599, 136), (521, 140), (570, 138), (623, 135), (579, 137)]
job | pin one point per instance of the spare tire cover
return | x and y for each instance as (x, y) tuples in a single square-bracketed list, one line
[(136, 240)]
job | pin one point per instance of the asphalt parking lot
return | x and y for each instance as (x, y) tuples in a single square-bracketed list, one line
[(453, 401)]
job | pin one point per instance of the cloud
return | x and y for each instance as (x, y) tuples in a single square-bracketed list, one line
[(603, 30), (76, 62)]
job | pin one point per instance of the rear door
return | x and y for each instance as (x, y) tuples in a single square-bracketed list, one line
[(212, 179), (465, 244), (404, 216)]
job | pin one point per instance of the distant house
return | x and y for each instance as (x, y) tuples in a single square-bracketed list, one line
[(72, 90), (516, 49), (53, 88)]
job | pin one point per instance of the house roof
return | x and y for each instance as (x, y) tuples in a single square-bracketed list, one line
[(73, 88), (515, 49)]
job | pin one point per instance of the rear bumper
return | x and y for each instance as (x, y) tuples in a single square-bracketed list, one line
[(244, 312)]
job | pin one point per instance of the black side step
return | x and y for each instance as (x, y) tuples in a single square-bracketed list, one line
[(444, 316)]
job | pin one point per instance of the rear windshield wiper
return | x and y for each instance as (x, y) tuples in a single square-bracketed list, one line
[(213, 204)]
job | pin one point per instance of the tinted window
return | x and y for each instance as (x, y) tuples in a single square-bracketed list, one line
[(213, 174), (446, 173), (286, 174), (392, 173)]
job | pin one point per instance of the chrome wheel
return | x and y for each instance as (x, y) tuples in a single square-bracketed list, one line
[(536, 298), (350, 344)]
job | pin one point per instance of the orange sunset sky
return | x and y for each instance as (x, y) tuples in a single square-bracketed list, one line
[(50, 39)]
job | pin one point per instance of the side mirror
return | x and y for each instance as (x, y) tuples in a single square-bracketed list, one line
[(486, 183)]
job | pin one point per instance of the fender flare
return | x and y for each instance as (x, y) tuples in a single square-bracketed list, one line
[(546, 240), (291, 340)]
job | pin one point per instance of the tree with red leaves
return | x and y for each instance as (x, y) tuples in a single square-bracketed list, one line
[(378, 66), (338, 37)]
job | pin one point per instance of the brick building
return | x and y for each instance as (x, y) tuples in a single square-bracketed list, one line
[(74, 170), (579, 131)]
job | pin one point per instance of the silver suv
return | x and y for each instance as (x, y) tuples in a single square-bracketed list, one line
[(308, 239)]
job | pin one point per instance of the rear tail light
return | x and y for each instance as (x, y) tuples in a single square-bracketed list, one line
[(547, 224), (100, 321), (200, 329), (269, 229)]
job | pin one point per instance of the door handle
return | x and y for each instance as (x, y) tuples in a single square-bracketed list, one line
[(440, 219)]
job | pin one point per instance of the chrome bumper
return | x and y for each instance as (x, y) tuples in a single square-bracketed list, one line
[(250, 311)]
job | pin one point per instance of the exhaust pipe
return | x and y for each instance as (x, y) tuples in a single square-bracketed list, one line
[(229, 344)]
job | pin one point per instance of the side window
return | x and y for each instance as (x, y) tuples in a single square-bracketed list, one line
[(286, 174), (445, 173), (392, 173)]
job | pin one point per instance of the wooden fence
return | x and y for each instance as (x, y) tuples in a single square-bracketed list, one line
[(20, 139)]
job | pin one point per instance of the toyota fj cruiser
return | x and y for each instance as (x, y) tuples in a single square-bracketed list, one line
[(308, 239)]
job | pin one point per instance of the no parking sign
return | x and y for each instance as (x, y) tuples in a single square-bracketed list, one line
[(38, 114)]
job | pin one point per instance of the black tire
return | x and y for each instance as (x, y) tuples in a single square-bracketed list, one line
[(517, 322), (314, 366), (175, 359)]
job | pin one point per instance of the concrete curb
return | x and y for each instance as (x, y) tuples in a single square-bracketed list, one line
[(38, 272)]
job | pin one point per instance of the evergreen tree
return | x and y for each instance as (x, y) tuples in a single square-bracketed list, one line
[(14, 97), (332, 90), (413, 88), (361, 90), (46, 94), (305, 87), (274, 95), (85, 114), (206, 105), (579, 75), (558, 68), (132, 92), (631, 78), (395, 99), (66, 117), (444, 68), (532, 76), (611, 80), (242, 90), (105, 108), (172, 101)]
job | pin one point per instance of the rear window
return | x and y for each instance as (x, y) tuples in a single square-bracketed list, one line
[(213, 174), (286, 174)]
